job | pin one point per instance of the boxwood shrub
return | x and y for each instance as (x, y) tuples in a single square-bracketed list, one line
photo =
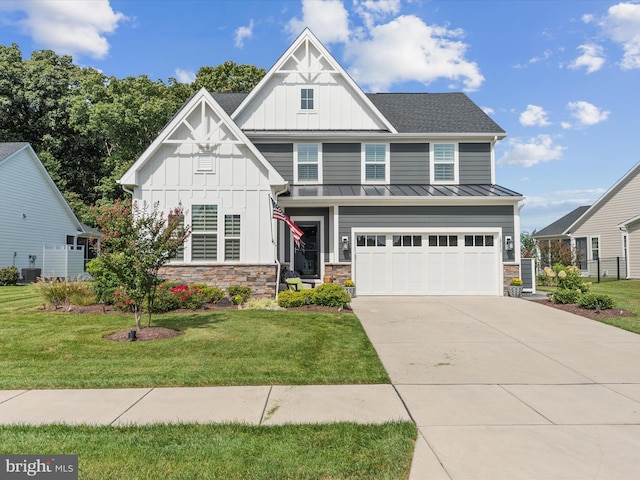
[(591, 300), (563, 295), (289, 298), (9, 275), (330, 295)]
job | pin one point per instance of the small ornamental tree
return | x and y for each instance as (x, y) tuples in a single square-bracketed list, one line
[(136, 242)]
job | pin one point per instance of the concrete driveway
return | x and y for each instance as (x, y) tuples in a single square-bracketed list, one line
[(504, 388)]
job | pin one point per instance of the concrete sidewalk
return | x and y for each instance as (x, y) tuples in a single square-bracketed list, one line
[(263, 405), (504, 388)]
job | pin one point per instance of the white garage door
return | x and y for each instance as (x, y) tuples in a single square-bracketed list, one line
[(428, 264)]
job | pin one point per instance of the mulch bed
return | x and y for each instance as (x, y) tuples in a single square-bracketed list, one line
[(144, 335), (583, 312)]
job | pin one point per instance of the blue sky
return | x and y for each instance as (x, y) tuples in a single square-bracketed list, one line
[(561, 77)]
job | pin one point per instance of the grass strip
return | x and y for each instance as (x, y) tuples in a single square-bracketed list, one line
[(332, 451)]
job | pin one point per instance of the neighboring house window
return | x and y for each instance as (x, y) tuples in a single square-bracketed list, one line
[(375, 163), (204, 228), (444, 163), (308, 165), (232, 237), (595, 248), (306, 99)]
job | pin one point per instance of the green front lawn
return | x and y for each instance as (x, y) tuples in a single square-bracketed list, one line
[(625, 294), (297, 452), (42, 349)]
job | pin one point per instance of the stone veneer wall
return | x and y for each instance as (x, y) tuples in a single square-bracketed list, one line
[(339, 272), (510, 272), (261, 278)]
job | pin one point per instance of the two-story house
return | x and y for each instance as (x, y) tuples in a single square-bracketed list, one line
[(395, 191)]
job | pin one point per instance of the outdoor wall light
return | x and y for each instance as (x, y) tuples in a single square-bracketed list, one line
[(508, 243), (345, 243), (24, 215)]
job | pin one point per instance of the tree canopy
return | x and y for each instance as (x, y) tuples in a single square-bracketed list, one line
[(87, 127)]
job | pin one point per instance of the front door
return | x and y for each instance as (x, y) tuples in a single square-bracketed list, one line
[(307, 258)]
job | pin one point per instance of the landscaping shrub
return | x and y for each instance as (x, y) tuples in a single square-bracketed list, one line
[(591, 300), (9, 275), (569, 278), (238, 292), (330, 295), (261, 304), (103, 281), (565, 296), (66, 292), (165, 300), (210, 294), (188, 296), (289, 298)]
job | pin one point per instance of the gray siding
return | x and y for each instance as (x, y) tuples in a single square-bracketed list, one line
[(409, 163), (475, 163), (527, 273), (341, 163), (427, 217), (307, 212), (280, 155)]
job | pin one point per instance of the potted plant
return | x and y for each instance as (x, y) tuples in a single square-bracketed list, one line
[(350, 287), (515, 287)]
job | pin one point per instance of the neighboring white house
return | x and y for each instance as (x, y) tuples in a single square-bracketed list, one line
[(39, 230), (395, 191), (606, 233)]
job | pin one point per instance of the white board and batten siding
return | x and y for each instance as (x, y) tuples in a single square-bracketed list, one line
[(32, 211), (236, 184)]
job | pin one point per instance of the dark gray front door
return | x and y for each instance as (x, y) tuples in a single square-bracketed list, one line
[(306, 260)]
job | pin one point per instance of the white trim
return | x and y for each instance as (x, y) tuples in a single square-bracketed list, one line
[(296, 179), (224, 237), (456, 164), (590, 247), (308, 110), (625, 252), (363, 164)]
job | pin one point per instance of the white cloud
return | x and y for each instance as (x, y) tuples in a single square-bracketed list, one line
[(592, 58), (68, 27), (527, 153), (488, 110), (569, 198), (587, 113), (622, 25), (534, 116), (327, 19), (242, 33), (185, 76), (375, 10), (407, 49)]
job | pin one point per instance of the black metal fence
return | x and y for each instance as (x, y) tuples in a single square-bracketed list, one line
[(609, 268)]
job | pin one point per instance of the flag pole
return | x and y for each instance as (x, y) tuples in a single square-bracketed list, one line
[(275, 247)]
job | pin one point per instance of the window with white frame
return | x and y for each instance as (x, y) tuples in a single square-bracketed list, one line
[(595, 248), (308, 163), (444, 163), (306, 99), (232, 237), (375, 163), (204, 236)]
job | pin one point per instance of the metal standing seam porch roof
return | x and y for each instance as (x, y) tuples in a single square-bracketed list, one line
[(397, 190)]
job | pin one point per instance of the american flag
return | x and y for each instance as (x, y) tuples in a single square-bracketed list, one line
[(278, 214)]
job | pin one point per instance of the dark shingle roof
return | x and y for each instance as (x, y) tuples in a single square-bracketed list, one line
[(9, 148), (413, 112), (399, 190), (560, 226)]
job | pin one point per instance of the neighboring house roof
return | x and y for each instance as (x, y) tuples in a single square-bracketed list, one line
[(561, 226), (630, 221), (626, 178), (413, 112), (9, 148)]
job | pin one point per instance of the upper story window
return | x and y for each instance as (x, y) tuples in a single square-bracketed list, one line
[(444, 163), (307, 163), (376, 163), (306, 99), (204, 228)]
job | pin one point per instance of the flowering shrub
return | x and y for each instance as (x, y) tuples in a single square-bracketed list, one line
[(122, 301), (188, 296), (569, 278)]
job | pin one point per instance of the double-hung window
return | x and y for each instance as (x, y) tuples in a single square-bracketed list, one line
[(308, 165), (375, 164), (204, 236), (232, 237), (444, 163), (595, 248), (306, 99)]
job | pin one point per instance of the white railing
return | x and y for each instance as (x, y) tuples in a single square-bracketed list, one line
[(62, 261)]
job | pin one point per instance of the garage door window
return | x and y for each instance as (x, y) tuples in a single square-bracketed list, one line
[(443, 240), (371, 240), (478, 240), (407, 240)]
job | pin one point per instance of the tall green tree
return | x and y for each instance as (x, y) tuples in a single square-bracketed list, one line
[(228, 77)]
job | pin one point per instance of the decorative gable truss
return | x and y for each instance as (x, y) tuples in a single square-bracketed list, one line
[(307, 89)]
